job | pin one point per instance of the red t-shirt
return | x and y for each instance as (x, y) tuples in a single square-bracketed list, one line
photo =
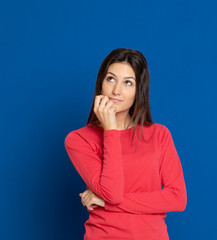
[(139, 184)]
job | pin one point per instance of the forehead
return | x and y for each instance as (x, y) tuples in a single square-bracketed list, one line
[(121, 68)]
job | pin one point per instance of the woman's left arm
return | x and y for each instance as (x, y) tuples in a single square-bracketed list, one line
[(173, 196)]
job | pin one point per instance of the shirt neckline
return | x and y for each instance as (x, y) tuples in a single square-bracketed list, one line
[(121, 131)]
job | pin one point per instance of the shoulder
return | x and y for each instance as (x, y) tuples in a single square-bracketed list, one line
[(164, 135), (158, 126), (85, 136), (156, 129), (162, 130), (158, 132)]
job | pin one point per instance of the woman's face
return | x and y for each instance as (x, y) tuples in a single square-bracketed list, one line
[(120, 83)]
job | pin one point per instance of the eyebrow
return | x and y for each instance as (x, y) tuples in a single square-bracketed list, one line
[(124, 78)]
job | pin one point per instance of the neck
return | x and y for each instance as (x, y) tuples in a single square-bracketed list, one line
[(123, 121)]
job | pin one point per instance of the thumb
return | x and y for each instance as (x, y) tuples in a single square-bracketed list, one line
[(115, 110)]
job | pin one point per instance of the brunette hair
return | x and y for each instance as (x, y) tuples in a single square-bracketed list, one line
[(140, 111)]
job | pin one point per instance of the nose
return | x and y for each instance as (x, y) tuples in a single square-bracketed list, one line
[(117, 89)]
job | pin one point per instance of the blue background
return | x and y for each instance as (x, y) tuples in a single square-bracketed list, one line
[(50, 55)]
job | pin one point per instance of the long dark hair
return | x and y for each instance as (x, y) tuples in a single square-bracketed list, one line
[(140, 111)]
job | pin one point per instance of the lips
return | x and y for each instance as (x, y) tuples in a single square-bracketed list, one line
[(115, 100)]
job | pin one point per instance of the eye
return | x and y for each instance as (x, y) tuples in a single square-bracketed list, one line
[(129, 82), (109, 78)]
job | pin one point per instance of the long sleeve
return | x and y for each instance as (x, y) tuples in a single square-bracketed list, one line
[(103, 176), (173, 196)]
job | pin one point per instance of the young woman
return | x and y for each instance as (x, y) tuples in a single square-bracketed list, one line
[(129, 163)]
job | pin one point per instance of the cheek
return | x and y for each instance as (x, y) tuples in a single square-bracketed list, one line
[(132, 99), (105, 89), (130, 95)]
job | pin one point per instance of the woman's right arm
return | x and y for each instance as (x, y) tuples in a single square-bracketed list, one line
[(105, 176)]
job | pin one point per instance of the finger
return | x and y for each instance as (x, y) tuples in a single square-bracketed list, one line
[(89, 208), (103, 102), (94, 206), (97, 101), (88, 199), (84, 199), (108, 105), (82, 195), (113, 109), (85, 192), (86, 195)]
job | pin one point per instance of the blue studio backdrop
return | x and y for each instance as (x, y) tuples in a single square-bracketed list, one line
[(50, 54)]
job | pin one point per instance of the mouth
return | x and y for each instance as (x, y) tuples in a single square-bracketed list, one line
[(115, 100)]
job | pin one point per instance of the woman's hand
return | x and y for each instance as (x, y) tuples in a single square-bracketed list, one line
[(105, 112), (91, 200)]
